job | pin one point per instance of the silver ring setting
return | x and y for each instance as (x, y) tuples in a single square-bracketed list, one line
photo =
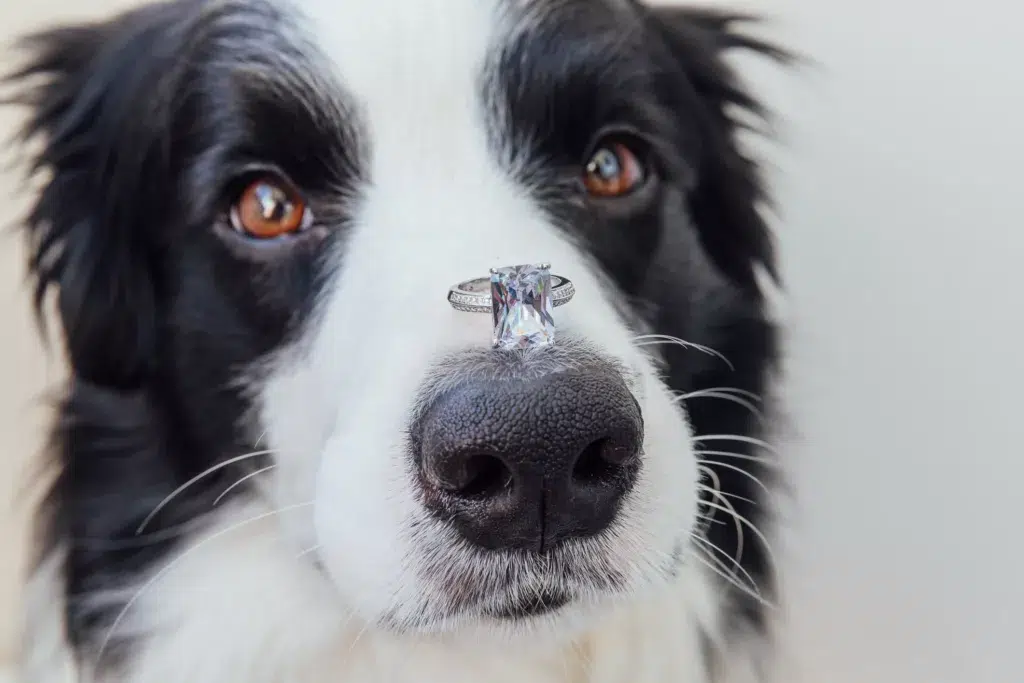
[(474, 296), (520, 300)]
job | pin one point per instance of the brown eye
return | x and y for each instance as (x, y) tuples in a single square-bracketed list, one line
[(269, 207), (613, 171)]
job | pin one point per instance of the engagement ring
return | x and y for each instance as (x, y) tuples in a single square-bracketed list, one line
[(519, 299)]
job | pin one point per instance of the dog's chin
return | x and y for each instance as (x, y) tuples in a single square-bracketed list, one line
[(545, 609), (524, 608), (546, 617)]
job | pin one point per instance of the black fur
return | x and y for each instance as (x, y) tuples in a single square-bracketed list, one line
[(726, 207), (140, 124)]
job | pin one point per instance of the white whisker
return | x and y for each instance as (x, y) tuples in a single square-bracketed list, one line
[(740, 470), (193, 480), (359, 635), (725, 396), (750, 525), (171, 565), (240, 481), (655, 339), (710, 519), (136, 541), (705, 546), (731, 510), (736, 437), (735, 391), (308, 551), (733, 573), (716, 485), (730, 495), (756, 595), (733, 569), (741, 456)]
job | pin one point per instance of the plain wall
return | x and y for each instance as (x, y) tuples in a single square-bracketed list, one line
[(901, 237), (903, 243)]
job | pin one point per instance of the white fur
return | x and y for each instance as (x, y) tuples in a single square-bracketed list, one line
[(237, 606), (244, 604)]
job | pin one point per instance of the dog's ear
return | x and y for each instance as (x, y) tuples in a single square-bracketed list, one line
[(729, 195), (100, 98)]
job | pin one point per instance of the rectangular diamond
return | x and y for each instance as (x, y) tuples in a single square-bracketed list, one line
[(521, 306)]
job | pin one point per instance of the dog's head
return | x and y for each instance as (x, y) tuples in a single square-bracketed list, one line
[(253, 213)]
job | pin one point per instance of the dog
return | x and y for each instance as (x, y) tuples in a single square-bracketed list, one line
[(283, 453)]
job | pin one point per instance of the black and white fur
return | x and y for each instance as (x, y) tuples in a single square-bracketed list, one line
[(232, 499)]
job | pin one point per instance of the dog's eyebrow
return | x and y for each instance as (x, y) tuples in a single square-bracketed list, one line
[(557, 48), (285, 87), (572, 84)]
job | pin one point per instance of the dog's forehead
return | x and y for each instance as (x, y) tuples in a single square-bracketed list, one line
[(408, 51), (426, 47)]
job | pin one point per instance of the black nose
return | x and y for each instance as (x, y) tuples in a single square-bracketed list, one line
[(526, 464)]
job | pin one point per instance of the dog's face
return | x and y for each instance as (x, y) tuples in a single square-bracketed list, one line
[(257, 211)]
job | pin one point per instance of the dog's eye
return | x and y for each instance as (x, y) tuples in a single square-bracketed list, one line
[(269, 207), (613, 171)]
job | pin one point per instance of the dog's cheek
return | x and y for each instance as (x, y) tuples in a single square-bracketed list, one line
[(660, 515), (364, 512), (291, 420)]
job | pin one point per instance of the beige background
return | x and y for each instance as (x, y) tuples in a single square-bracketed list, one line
[(902, 244)]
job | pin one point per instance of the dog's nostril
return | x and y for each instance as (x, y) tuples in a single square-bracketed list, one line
[(485, 476), (600, 462), (476, 475)]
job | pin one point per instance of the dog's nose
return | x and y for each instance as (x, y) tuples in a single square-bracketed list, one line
[(527, 464)]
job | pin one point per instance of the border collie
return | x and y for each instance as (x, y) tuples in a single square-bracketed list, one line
[(283, 456)]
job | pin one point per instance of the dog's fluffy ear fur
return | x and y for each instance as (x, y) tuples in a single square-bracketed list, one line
[(93, 91), (726, 207), (727, 201)]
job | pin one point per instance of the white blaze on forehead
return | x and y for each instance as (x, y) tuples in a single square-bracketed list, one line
[(437, 206), (388, 49), (415, 71)]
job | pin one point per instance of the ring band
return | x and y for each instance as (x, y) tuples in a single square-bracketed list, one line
[(474, 296)]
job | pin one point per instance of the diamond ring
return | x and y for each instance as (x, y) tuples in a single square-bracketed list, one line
[(519, 299)]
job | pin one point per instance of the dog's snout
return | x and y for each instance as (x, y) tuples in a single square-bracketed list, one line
[(528, 463)]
